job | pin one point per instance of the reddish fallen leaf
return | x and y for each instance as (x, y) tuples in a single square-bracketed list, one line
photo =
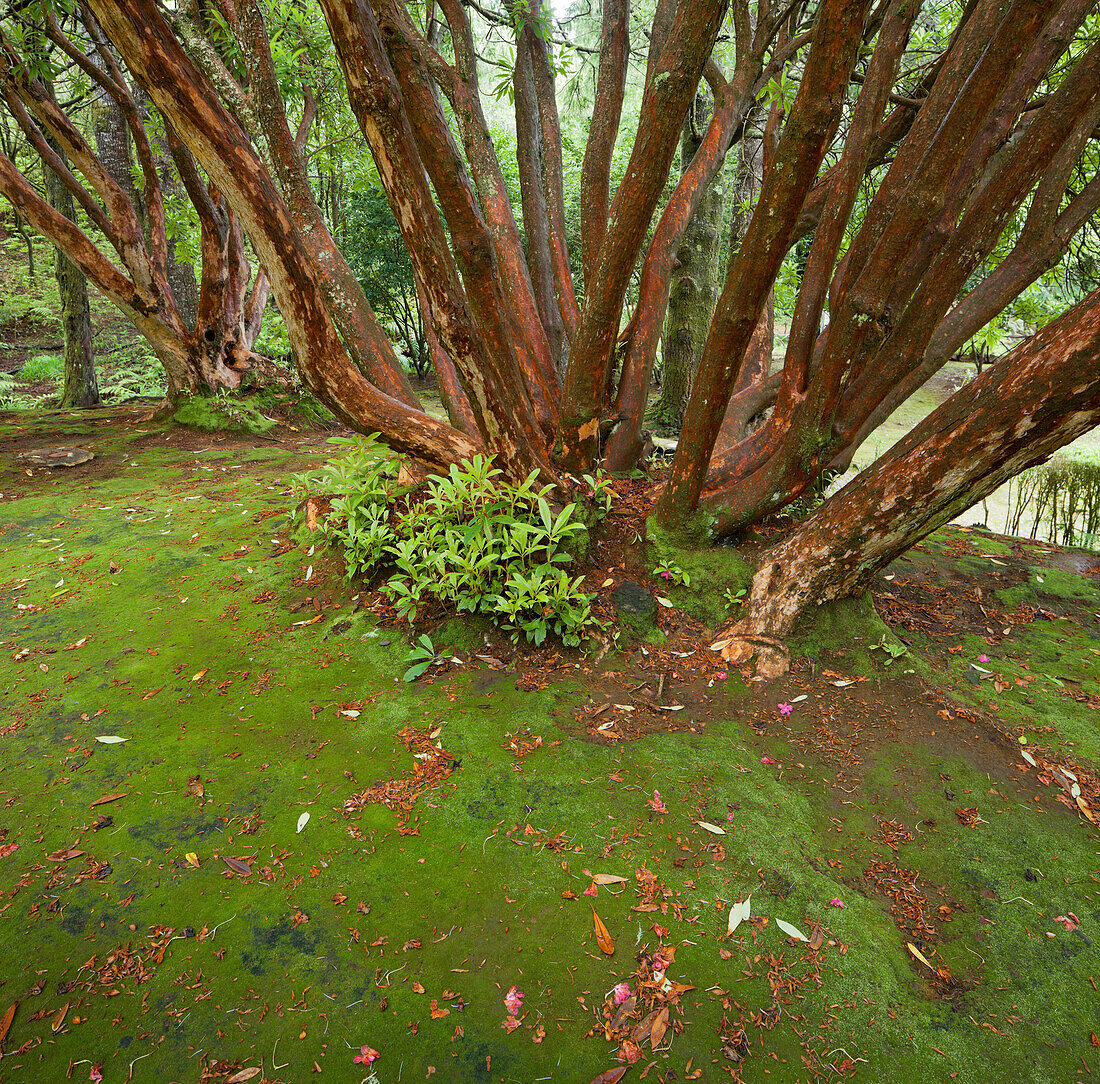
[(195, 787), (64, 854), (660, 1026), (152, 692), (237, 866), (437, 1012), (244, 1074), (106, 798), (5, 1022), (603, 938), (611, 1076), (417, 988), (8, 848)]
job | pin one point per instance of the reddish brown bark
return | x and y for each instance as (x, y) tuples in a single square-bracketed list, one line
[(664, 105), (905, 267), (606, 111), (346, 301), (811, 125), (217, 352), (1044, 395), (186, 99), (531, 163), (399, 120)]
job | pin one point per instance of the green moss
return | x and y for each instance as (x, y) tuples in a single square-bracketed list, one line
[(712, 570), (202, 664), (218, 412), (845, 630)]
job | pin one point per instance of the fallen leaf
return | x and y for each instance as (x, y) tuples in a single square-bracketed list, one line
[(611, 1076), (5, 1022), (64, 854), (606, 943), (200, 674), (791, 931), (107, 798), (739, 913), (664, 602), (608, 879), (110, 739), (919, 955), (707, 826), (192, 859), (58, 1020), (237, 866), (195, 787), (244, 1074), (660, 1026), (303, 820)]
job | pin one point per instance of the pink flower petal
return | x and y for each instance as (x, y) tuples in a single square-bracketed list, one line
[(513, 1000), (767, 760), (621, 992), (837, 902), (365, 1056), (786, 709), (591, 890), (983, 658)]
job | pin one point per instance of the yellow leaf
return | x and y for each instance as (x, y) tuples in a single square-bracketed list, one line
[(200, 674), (603, 938), (192, 859), (59, 1018), (919, 955)]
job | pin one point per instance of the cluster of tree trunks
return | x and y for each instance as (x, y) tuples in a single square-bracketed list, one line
[(202, 337), (550, 380)]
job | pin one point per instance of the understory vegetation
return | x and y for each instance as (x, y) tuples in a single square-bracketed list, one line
[(469, 542)]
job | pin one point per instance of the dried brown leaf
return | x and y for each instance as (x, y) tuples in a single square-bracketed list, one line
[(603, 938)]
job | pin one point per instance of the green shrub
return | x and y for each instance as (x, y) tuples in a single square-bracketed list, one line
[(42, 367), (468, 540)]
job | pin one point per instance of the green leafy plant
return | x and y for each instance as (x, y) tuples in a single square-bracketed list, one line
[(893, 650), (466, 541), (672, 574), (734, 598), (422, 656)]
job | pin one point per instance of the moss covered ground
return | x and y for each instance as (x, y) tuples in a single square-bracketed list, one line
[(156, 594)]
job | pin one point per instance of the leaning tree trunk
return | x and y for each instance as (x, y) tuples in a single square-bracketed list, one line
[(1038, 398), (693, 291)]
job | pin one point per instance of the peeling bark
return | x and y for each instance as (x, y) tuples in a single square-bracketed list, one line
[(1014, 416)]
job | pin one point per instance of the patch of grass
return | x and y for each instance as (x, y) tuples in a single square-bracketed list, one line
[(42, 367)]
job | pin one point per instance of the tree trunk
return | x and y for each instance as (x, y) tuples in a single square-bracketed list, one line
[(81, 388), (693, 291), (1042, 395)]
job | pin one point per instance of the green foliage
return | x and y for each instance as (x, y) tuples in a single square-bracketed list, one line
[(1061, 499), (893, 649), (469, 541), (376, 252), (42, 367), (673, 573), (422, 656)]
